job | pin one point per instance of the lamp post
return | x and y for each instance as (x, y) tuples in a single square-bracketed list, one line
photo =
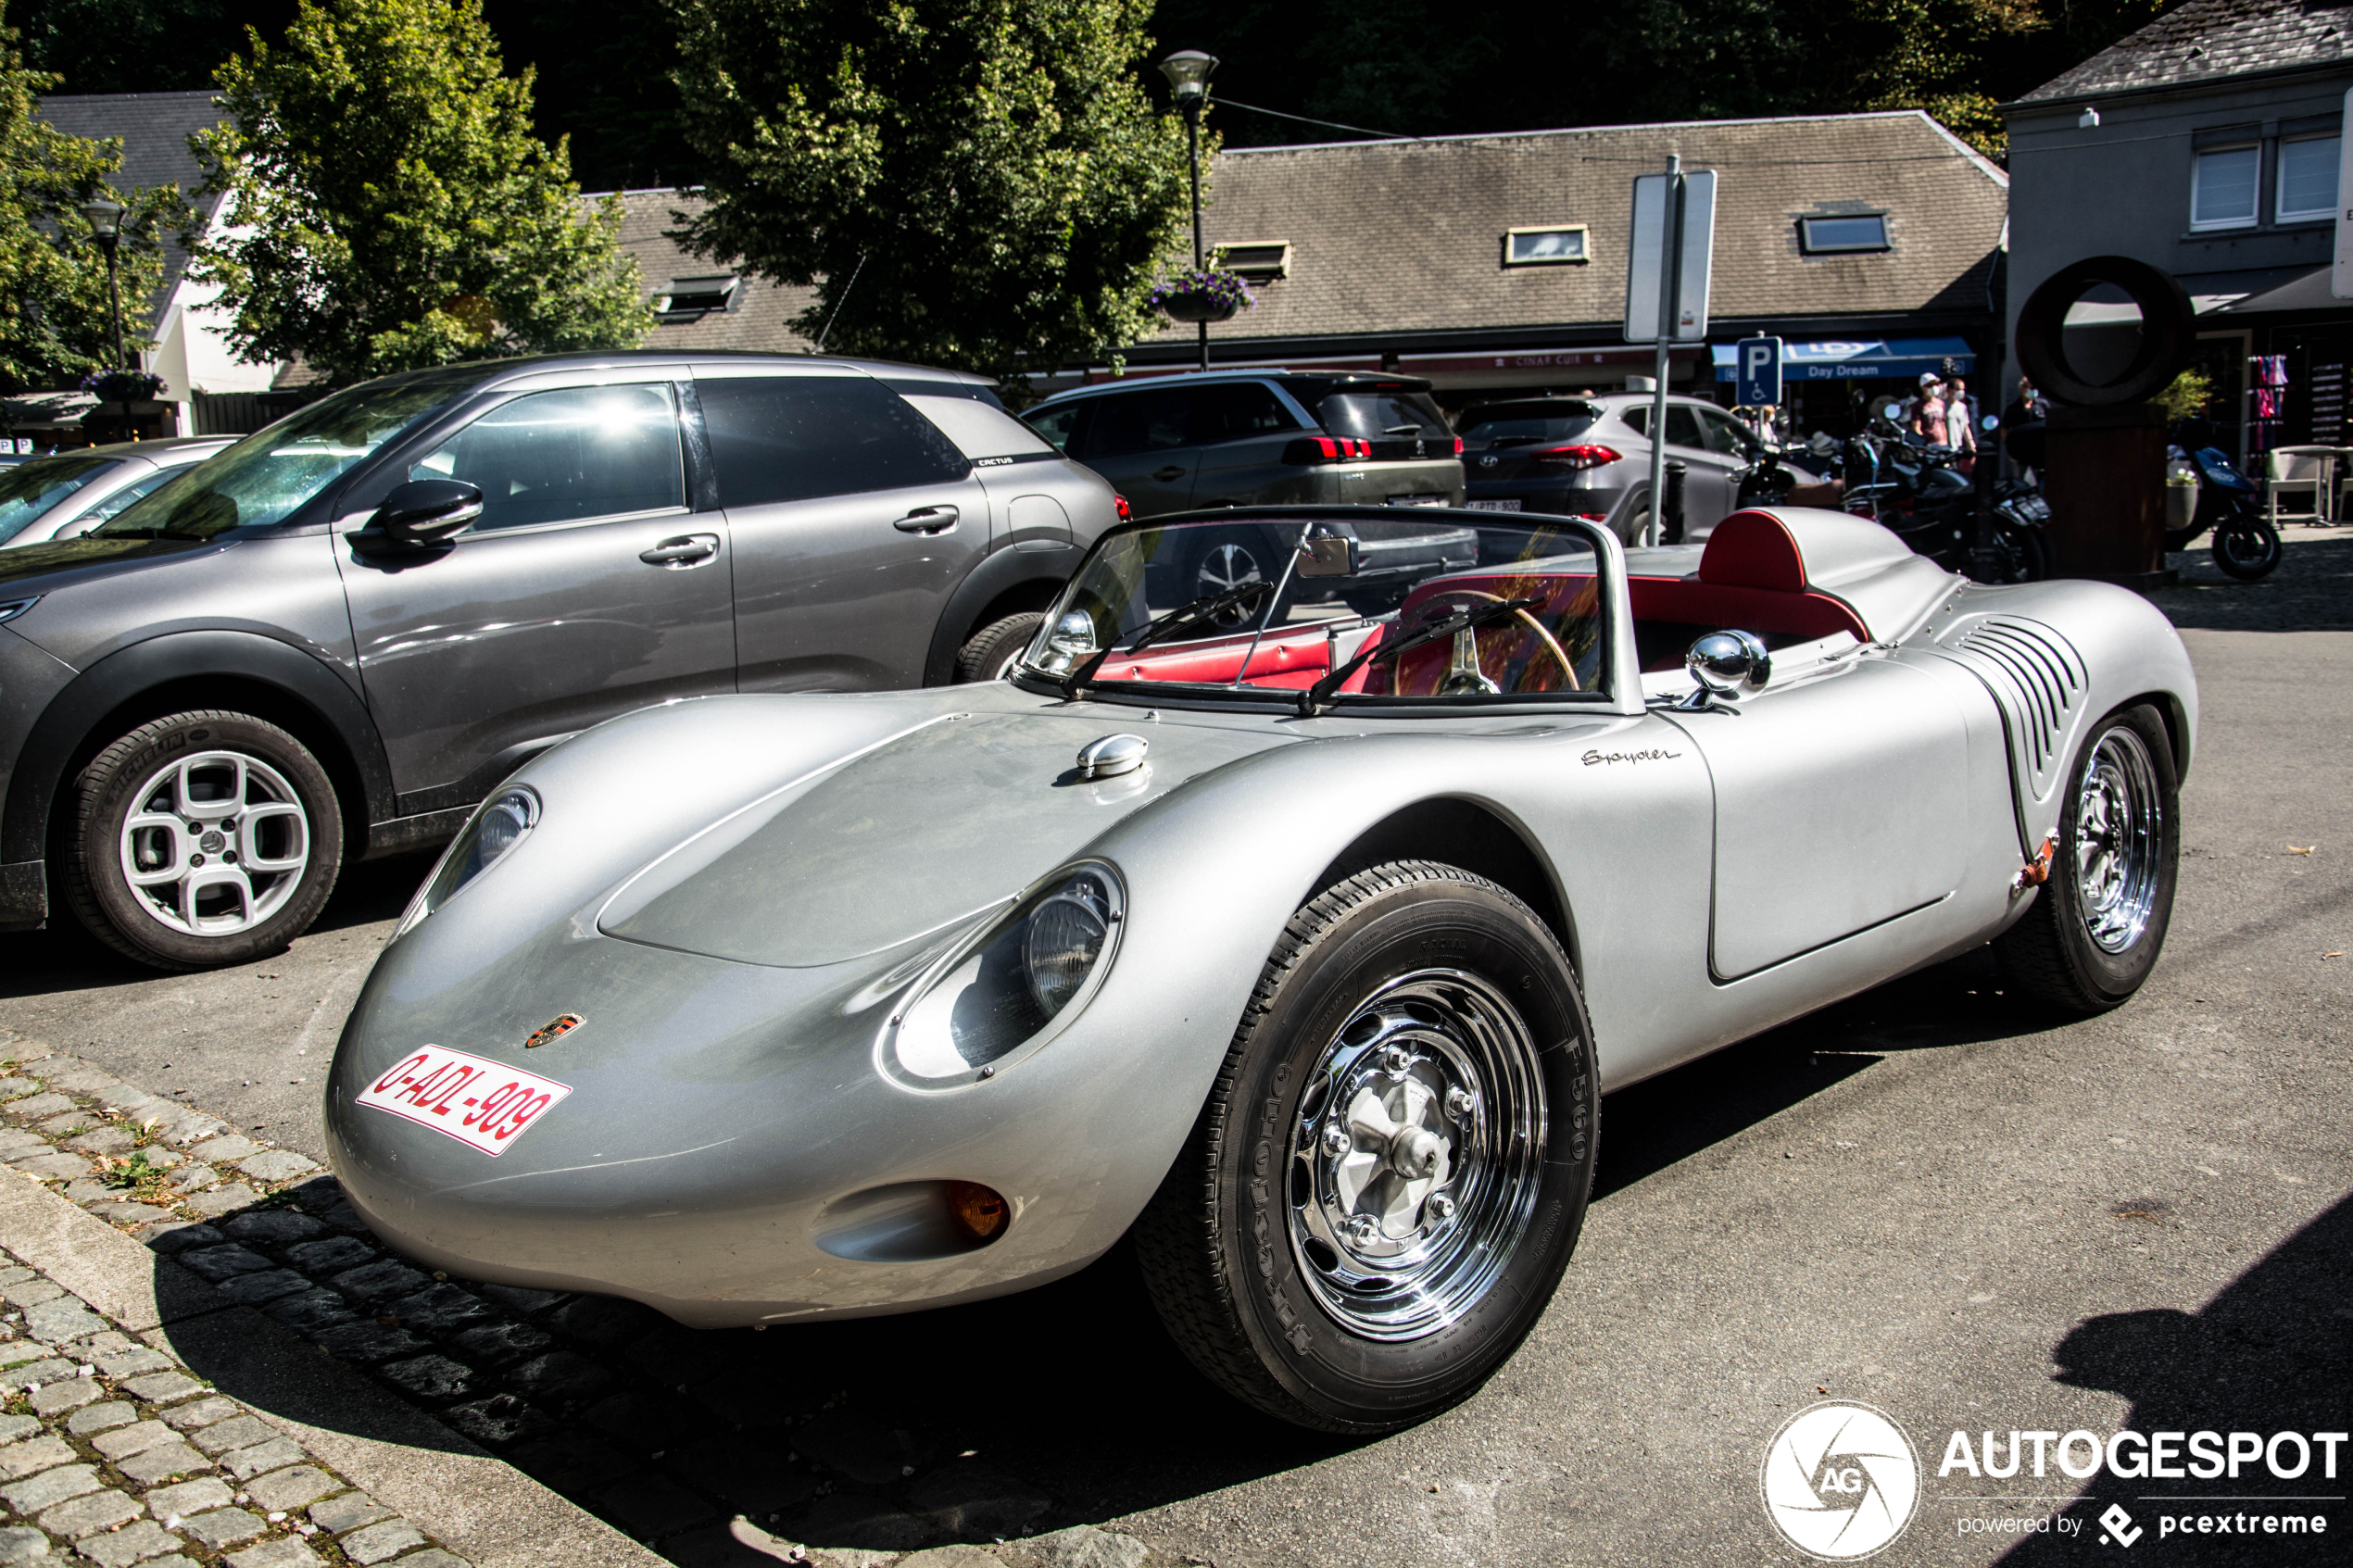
[(106, 221), (1189, 71)]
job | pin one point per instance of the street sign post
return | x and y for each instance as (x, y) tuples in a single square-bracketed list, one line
[(1666, 275), (1756, 372)]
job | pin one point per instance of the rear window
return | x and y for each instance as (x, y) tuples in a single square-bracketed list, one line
[(789, 438), (1528, 424), (1371, 414)]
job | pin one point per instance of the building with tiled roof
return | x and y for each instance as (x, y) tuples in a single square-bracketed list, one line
[(2207, 143), (1497, 263), (699, 304)]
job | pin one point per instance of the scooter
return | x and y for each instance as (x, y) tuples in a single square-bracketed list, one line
[(2246, 544)]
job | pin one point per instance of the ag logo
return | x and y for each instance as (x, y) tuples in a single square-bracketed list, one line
[(1840, 1481)]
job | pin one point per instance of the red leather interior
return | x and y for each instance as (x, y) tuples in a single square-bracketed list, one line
[(1754, 549)]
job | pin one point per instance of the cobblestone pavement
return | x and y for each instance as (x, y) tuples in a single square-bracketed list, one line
[(2312, 590), (681, 1439), (111, 1454)]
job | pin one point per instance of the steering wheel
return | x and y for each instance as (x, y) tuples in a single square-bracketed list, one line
[(1465, 678)]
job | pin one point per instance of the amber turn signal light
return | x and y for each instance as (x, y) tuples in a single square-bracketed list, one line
[(980, 1212)]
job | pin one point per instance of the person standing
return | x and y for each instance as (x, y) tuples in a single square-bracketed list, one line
[(2022, 429), (1927, 419)]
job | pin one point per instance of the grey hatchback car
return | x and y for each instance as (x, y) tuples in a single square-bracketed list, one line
[(333, 639), (1231, 438), (65, 494)]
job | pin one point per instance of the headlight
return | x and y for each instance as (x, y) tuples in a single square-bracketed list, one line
[(497, 827), (1004, 987)]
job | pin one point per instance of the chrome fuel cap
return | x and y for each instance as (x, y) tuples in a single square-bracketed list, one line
[(1111, 755)]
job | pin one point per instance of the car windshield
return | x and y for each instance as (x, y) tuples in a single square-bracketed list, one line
[(1372, 413), (266, 477), (1527, 424), (30, 489), (1339, 607)]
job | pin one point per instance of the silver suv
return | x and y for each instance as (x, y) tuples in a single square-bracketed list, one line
[(1232, 438), (332, 639), (1591, 456)]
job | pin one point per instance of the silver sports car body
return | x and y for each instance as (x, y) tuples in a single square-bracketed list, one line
[(1295, 929)]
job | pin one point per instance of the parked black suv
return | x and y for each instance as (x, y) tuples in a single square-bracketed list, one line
[(1257, 437), (331, 640)]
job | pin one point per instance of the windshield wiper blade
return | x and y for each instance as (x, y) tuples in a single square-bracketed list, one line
[(1314, 696), (1203, 609)]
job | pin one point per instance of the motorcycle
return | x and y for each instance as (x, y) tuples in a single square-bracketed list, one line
[(2246, 544), (1913, 489)]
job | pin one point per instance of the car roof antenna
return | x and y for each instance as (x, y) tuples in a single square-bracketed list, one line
[(826, 331)]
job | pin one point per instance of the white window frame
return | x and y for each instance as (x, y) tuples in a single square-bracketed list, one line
[(1584, 245), (2280, 213), (2197, 174)]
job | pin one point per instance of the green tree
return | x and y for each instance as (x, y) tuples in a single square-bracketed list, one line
[(55, 320), (137, 46), (388, 206), (974, 183)]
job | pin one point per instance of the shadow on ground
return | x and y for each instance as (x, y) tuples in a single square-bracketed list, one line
[(2272, 1352), (2312, 590), (996, 1419)]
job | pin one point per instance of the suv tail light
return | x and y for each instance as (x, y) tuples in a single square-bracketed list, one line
[(1458, 446), (1327, 449), (1578, 456), (1126, 513)]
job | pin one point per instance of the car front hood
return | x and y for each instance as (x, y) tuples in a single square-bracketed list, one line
[(920, 833), (67, 555)]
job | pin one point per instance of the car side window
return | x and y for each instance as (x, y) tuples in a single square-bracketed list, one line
[(1237, 410), (1725, 435), (132, 492), (1140, 421), (1057, 424), (581, 452), (1682, 429), (793, 438)]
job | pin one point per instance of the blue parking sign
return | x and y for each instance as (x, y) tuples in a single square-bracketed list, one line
[(1756, 363)]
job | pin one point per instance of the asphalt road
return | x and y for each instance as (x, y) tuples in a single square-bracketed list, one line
[(1928, 1199)]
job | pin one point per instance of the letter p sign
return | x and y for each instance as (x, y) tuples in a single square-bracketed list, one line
[(1758, 367)]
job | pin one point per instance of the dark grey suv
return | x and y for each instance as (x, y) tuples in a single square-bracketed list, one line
[(1230, 438), (333, 638)]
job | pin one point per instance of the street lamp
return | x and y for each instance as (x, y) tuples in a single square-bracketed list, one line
[(106, 221), (1189, 71)]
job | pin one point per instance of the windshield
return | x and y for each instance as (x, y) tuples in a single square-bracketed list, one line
[(1528, 424), (1344, 608), (30, 489), (266, 477)]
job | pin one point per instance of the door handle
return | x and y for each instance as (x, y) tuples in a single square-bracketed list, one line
[(1168, 474), (927, 520), (680, 554)]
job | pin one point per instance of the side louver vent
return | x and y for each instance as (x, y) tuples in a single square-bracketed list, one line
[(2041, 682)]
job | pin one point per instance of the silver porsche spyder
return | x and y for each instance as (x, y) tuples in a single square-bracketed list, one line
[(1293, 930)]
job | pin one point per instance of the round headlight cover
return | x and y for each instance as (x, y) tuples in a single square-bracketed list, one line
[(1065, 937), (497, 827)]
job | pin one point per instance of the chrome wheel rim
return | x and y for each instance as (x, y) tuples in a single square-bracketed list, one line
[(1223, 569), (1417, 1155), (2118, 829), (215, 844)]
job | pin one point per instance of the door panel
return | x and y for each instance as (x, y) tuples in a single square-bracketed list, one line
[(1840, 803), (1144, 442), (543, 617)]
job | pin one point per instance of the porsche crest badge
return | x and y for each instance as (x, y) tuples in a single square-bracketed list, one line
[(555, 1030)]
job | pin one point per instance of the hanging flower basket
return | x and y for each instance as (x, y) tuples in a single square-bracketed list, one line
[(1202, 296), (121, 386)]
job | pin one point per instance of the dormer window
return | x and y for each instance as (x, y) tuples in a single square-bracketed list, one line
[(690, 299), (1559, 245), (1259, 261), (1844, 233)]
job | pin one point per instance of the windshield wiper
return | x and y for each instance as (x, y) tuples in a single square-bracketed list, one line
[(1314, 697), (1206, 607)]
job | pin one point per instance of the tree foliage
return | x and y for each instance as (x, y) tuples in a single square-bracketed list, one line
[(56, 319), (974, 183), (138, 46), (389, 207)]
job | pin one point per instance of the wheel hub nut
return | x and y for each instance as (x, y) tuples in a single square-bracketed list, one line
[(1459, 1103), (1440, 1207), (1394, 1061), (1336, 1139)]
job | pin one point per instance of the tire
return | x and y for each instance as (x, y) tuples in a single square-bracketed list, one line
[(992, 650), (242, 893), (2026, 554), (2098, 923), (2246, 549), (1260, 1273)]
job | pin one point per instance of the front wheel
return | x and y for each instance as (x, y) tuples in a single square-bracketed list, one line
[(1391, 1170), (2099, 921), (992, 651), (202, 839), (2246, 549)]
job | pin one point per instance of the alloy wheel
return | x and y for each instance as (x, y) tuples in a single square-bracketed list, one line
[(2118, 832), (215, 844)]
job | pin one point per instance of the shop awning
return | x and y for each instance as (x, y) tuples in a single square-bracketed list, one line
[(1857, 358)]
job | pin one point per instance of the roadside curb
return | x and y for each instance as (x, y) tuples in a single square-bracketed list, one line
[(475, 1503)]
